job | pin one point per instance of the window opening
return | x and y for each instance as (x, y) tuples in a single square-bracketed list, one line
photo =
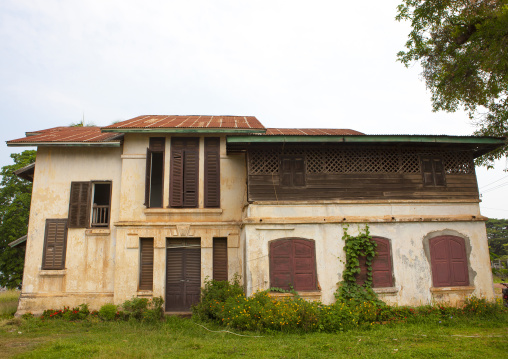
[(101, 204)]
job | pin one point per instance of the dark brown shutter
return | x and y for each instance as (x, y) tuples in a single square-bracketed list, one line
[(79, 205), (285, 176), (293, 263), (176, 185), (298, 171), (147, 176), (439, 173), (212, 172), (55, 242), (448, 261), (428, 177), (191, 177), (146, 264), (157, 144), (220, 259)]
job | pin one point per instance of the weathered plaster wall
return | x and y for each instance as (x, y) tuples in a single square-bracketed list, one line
[(411, 263), (89, 273)]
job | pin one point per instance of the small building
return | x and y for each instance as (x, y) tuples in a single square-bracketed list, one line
[(154, 205)]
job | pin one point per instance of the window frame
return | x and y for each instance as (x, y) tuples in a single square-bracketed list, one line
[(179, 180), (92, 195), (433, 177), (155, 145), (141, 284), (452, 269)]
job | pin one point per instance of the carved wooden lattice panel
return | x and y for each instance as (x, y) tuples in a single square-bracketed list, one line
[(354, 160)]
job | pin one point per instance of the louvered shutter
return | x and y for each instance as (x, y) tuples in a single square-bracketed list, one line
[(176, 185), (293, 263), (212, 172), (147, 176), (146, 264), (55, 242), (79, 205), (220, 259), (157, 144), (191, 173)]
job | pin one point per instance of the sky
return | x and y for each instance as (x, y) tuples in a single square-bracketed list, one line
[(319, 64)]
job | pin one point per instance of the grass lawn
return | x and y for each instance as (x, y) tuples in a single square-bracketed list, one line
[(8, 303), (182, 338)]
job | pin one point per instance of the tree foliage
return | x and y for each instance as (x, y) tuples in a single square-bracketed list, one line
[(497, 235), (462, 46), (15, 196)]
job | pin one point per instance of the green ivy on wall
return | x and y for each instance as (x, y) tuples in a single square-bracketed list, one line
[(355, 247)]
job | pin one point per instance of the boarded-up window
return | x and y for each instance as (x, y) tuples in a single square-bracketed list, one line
[(433, 171), (212, 172), (292, 171), (154, 180), (183, 191), (146, 264), (381, 265), (293, 264), (55, 243), (79, 205), (449, 261), (220, 259)]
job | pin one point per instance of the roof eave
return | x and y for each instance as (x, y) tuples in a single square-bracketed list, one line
[(184, 130), (64, 144)]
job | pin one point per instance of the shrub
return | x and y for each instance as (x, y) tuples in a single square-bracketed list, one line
[(143, 309), (214, 295), (108, 312)]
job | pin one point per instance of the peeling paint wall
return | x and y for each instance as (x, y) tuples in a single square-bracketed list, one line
[(411, 264)]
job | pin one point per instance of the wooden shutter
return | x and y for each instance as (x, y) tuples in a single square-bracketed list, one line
[(439, 173), (146, 264), (176, 185), (212, 172), (382, 274), (448, 261), (55, 243), (148, 176), (220, 259), (157, 144), (293, 263), (184, 172), (428, 177), (79, 205), (191, 176), (433, 171), (292, 171)]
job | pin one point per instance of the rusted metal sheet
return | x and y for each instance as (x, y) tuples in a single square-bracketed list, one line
[(68, 134), (310, 132)]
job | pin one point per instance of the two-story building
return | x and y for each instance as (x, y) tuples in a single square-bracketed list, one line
[(154, 205)]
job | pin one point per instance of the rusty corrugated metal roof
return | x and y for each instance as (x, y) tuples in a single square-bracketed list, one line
[(87, 134), (162, 121), (310, 132)]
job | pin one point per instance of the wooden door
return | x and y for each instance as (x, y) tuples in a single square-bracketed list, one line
[(183, 274)]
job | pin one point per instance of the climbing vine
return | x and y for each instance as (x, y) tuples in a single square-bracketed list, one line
[(355, 247)]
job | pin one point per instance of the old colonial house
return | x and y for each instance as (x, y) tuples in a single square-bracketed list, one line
[(154, 205)]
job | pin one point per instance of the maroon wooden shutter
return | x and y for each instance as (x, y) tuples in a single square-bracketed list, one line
[(191, 174), (382, 264), (212, 172), (55, 242), (79, 205), (146, 264), (220, 259), (382, 275), (293, 263), (448, 261), (148, 176)]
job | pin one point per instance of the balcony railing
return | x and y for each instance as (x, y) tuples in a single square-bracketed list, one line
[(100, 216)]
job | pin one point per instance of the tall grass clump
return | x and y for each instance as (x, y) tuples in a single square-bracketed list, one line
[(8, 302)]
